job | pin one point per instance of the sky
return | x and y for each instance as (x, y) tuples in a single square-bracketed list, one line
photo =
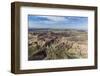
[(60, 22)]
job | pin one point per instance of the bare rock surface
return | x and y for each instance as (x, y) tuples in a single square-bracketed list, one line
[(54, 45)]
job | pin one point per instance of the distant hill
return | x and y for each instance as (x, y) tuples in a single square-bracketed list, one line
[(53, 29)]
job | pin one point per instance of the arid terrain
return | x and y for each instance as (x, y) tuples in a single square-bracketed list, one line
[(50, 44)]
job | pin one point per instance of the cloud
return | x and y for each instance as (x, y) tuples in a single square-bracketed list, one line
[(54, 18), (58, 22)]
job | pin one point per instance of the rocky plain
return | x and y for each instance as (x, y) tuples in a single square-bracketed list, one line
[(51, 44)]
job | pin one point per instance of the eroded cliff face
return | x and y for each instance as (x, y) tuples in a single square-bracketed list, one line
[(51, 45)]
